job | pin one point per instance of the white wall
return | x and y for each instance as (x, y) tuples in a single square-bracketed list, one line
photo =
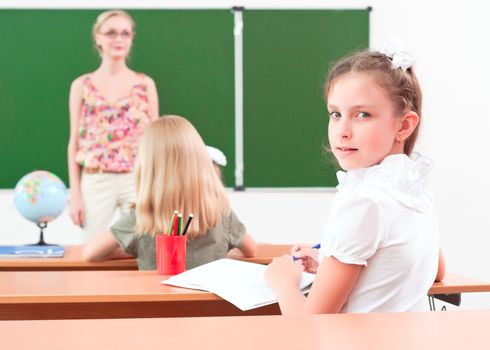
[(270, 216), (451, 43)]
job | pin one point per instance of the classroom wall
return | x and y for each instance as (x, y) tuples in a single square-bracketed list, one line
[(450, 43)]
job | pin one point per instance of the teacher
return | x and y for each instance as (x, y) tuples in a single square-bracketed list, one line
[(109, 109)]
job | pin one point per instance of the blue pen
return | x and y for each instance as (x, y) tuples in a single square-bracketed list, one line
[(316, 246)]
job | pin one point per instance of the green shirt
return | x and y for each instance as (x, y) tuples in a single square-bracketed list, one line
[(215, 244)]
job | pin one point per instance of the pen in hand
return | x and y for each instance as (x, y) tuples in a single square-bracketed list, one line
[(316, 246)]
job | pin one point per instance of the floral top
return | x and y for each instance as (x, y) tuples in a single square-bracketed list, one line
[(109, 132)]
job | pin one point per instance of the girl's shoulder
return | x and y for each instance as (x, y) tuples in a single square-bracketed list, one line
[(231, 222), (398, 179), (360, 198)]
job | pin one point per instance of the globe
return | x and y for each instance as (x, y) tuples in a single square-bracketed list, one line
[(40, 196)]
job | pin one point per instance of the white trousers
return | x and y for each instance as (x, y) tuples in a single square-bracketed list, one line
[(102, 195)]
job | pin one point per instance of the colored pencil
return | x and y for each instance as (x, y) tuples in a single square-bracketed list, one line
[(171, 226), (176, 224), (179, 230), (188, 222)]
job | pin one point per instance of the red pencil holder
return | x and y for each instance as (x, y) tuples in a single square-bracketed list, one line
[(170, 254)]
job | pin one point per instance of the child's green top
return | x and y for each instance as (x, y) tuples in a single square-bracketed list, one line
[(215, 244)]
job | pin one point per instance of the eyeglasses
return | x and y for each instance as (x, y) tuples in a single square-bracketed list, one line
[(112, 34)]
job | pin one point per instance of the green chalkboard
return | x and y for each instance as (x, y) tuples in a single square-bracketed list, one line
[(189, 54), (286, 57)]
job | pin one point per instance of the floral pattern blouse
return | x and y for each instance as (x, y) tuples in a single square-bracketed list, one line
[(109, 132)]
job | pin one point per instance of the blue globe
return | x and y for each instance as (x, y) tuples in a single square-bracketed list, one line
[(40, 196)]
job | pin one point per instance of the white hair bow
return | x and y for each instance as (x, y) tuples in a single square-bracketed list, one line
[(216, 155), (399, 59)]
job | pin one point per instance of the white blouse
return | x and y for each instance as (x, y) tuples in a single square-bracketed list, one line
[(383, 218)]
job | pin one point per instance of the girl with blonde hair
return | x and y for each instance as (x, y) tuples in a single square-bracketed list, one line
[(174, 172), (109, 109)]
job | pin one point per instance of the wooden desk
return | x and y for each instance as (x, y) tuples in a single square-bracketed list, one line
[(265, 254), (453, 285), (28, 295), (383, 331), (73, 260)]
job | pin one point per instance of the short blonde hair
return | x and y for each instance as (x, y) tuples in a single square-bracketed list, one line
[(175, 172), (103, 17)]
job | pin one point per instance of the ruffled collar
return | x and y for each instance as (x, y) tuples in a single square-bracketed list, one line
[(403, 178)]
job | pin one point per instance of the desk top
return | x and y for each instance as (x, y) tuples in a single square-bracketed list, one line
[(73, 260), (91, 286), (35, 295), (455, 284), (110, 286), (127, 286), (123, 294), (426, 330)]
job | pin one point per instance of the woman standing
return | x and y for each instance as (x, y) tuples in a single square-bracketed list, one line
[(109, 109)]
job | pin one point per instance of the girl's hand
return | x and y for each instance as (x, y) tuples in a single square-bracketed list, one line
[(298, 247), (282, 273), (77, 210), (307, 257)]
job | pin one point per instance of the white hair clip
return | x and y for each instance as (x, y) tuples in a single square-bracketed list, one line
[(399, 59), (216, 155)]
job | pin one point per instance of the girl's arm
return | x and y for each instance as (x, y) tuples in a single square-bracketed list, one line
[(441, 270), (248, 247), (329, 292), (104, 247), (152, 99), (77, 211)]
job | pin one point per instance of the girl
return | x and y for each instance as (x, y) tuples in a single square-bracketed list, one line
[(108, 111), (174, 171), (380, 250)]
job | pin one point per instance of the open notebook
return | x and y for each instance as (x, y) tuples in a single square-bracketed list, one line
[(239, 282), (31, 251)]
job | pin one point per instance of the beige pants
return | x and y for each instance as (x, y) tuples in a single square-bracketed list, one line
[(102, 195)]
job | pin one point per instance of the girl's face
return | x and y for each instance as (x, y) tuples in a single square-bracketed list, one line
[(115, 37), (363, 128)]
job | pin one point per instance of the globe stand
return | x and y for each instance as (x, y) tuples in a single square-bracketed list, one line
[(42, 226)]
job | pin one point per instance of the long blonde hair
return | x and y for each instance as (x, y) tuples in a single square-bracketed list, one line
[(174, 171)]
